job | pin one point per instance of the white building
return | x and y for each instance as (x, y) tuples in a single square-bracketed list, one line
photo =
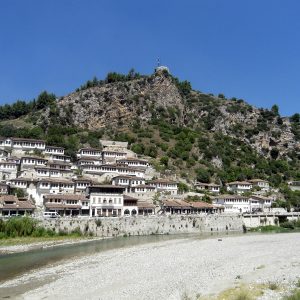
[(8, 170), (67, 204), (210, 187), (89, 161), (239, 187), (30, 162), (81, 184), (294, 185), (233, 203), (111, 157), (106, 200), (128, 182), (89, 152), (260, 203), (49, 150), (113, 170), (263, 185), (134, 162), (22, 144), (164, 186)]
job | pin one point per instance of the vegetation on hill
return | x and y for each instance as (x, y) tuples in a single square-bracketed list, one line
[(195, 135)]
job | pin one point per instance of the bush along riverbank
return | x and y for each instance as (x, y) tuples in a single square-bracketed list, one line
[(287, 226), (27, 227)]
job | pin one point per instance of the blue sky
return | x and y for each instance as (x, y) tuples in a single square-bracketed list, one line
[(246, 49)]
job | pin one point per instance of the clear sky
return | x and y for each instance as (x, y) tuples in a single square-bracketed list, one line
[(246, 49)]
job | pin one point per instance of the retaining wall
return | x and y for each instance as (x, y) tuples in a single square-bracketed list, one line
[(125, 226)]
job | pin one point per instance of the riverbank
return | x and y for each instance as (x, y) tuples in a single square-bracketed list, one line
[(22, 244), (170, 270)]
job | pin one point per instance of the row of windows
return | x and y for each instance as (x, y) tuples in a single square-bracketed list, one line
[(8, 166), (105, 200)]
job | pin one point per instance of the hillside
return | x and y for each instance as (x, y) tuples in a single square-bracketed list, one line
[(186, 132)]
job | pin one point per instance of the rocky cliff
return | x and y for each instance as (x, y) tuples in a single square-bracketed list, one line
[(120, 105)]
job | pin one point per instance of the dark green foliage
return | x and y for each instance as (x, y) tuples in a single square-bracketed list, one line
[(182, 187), (22, 227), (295, 118), (202, 175), (164, 160), (20, 193), (45, 100), (21, 108), (275, 110), (138, 148), (26, 226)]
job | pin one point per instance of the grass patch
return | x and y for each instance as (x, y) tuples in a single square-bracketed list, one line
[(294, 296), (32, 240), (241, 293), (273, 286), (269, 228), (21, 227)]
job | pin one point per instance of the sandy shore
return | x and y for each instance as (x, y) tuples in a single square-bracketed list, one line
[(168, 270)]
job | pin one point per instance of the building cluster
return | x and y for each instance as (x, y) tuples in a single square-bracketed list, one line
[(111, 181)]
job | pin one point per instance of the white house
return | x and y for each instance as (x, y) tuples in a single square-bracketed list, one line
[(106, 200), (134, 162), (8, 170), (49, 150), (22, 144), (113, 169), (89, 161), (239, 187), (29, 162), (233, 203), (89, 152), (81, 184), (67, 204), (53, 186), (164, 186), (294, 185), (111, 157), (128, 181), (263, 185), (260, 203), (210, 187)]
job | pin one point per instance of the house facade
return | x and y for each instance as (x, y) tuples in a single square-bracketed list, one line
[(239, 187), (106, 200), (210, 187), (67, 204), (164, 186), (233, 203)]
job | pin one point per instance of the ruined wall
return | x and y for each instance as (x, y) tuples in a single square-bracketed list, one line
[(125, 226)]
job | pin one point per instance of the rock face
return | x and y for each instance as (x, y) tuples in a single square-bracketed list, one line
[(120, 105)]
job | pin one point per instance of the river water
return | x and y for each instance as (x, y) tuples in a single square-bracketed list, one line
[(16, 264), (12, 265)]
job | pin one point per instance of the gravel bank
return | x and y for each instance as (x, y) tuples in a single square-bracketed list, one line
[(44, 244), (168, 270)]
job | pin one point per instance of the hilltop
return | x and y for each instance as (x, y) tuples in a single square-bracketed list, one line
[(186, 132)]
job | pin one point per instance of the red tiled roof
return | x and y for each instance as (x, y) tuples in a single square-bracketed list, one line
[(65, 197)]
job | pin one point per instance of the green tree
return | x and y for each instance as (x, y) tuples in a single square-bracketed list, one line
[(202, 175), (275, 110), (45, 99), (164, 160)]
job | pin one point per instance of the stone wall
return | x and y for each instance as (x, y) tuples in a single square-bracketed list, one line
[(256, 220), (125, 226)]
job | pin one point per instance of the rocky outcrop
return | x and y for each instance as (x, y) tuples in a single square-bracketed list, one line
[(121, 105)]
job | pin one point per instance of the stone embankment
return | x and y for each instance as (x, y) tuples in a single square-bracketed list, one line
[(128, 226)]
